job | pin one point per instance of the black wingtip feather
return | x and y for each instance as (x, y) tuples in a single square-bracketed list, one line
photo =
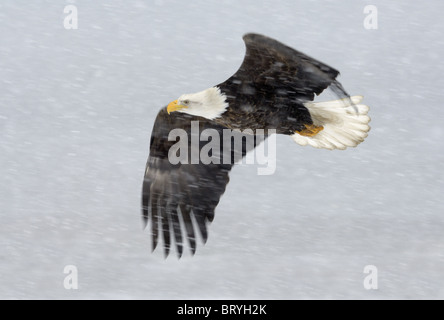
[(145, 204), (338, 89), (176, 229), (155, 222), (188, 227), (166, 235), (144, 219), (179, 251), (154, 243), (166, 252), (192, 246), (201, 223)]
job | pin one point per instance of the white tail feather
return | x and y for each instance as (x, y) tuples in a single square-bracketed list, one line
[(345, 123)]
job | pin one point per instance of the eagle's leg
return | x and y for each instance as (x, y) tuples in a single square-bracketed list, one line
[(310, 130)]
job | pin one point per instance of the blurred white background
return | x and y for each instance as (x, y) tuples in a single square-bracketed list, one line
[(76, 113)]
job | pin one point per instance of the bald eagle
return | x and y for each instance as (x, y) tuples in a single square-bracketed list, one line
[(274, 88)]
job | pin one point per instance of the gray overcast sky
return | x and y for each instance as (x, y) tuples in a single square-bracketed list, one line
[(76, 113)]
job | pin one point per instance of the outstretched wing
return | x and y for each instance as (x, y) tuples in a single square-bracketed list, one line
[(184, 196), (276, 68)]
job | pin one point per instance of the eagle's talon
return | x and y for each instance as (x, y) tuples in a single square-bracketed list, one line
[(310, 130)]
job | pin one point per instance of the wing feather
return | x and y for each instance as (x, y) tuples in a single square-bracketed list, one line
[(155, 221), (182, 196), (186, 215), (279, 77)]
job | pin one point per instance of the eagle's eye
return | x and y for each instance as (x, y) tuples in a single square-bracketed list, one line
[(185, 102)]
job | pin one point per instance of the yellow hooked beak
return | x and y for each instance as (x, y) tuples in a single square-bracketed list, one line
[(173, 106)]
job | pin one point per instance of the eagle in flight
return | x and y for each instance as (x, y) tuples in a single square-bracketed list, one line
[(274, 88)]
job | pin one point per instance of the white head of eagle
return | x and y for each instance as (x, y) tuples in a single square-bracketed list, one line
[(209, 104)]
